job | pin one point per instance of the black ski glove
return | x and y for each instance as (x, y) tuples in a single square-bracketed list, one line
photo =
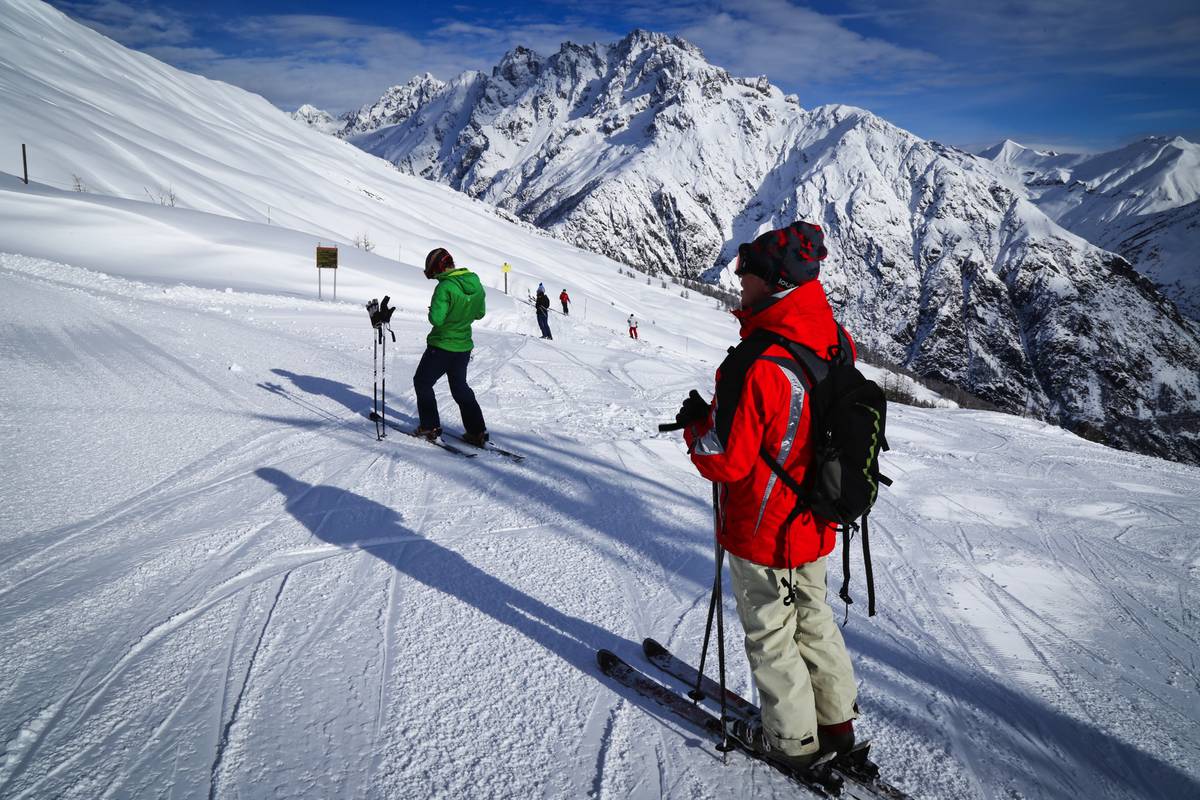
[(379, 311), (385, 313), (694, 409)]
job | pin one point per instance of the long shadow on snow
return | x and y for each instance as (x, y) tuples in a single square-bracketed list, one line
[(1083, 747), (345, 395), (572, 639), (685, 553), (339, 392), (682, 551)]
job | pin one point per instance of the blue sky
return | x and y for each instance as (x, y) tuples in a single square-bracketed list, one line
[(1068, 74)]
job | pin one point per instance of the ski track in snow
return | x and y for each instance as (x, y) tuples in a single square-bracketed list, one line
[(217, 583)]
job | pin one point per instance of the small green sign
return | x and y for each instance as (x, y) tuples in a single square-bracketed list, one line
[(327, 258)]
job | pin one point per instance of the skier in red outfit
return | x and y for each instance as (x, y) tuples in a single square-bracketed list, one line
[(777, 552)]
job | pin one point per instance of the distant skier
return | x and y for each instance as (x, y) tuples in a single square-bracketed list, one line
[(565, 299), (777, 548), (632, 326), (542, 304), (458, 300)]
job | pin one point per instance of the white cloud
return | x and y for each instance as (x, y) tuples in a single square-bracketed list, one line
[(1113, 37), (131, 25), (794, 46), (333, 62)]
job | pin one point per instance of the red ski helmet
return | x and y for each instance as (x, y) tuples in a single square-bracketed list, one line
[(438, 260)]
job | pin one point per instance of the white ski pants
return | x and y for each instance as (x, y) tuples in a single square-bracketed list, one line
[(797, 655)]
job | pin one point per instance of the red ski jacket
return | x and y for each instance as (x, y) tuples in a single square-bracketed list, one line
[(773, 412)]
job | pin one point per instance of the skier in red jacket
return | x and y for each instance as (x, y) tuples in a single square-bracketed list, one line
[(777, 558)]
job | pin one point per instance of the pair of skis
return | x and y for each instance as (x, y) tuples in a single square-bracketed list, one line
[(853, 775), (488, 447)]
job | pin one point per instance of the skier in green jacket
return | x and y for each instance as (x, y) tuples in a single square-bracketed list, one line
[(457, 302)]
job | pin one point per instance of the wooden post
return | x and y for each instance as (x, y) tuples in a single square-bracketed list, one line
[(24, 164)]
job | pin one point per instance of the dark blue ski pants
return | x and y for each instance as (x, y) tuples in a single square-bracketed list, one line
[(544, 322), (434, 364)]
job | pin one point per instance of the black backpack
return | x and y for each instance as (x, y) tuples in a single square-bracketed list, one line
[(849, 418)]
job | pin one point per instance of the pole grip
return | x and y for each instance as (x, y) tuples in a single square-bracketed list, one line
[(671, 426)]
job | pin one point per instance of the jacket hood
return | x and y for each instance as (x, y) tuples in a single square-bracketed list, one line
[(802, 314), (467, 281)]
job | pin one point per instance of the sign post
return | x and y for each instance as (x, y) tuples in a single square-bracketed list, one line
[(507, 268), (327, 258)]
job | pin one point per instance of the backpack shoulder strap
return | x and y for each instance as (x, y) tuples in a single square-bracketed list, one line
[(815, 367), (843, 352), (733, 378)]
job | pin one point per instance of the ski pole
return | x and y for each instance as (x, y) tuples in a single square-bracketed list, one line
[(375, 387), (725, 746), (718, 556), (696, 694), (376, 338), (383, 389)]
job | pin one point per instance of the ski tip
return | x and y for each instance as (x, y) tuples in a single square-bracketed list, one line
[(653, 648)]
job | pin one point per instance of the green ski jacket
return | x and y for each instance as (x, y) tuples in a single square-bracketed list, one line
[(457, 302)]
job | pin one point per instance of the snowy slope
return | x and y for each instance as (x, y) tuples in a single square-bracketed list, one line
[(645, 152), (1140, 200), (216, 583), (1165, 247), (132, 127)]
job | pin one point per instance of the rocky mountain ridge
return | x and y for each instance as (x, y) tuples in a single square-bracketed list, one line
[(643, 151)]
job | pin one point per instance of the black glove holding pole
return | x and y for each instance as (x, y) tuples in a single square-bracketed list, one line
[(694, 409)]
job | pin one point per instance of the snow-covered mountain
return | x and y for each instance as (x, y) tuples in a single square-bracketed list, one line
[(396, 105), (643, 151), (1141, 201), (1033, 167), (317, 119)]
